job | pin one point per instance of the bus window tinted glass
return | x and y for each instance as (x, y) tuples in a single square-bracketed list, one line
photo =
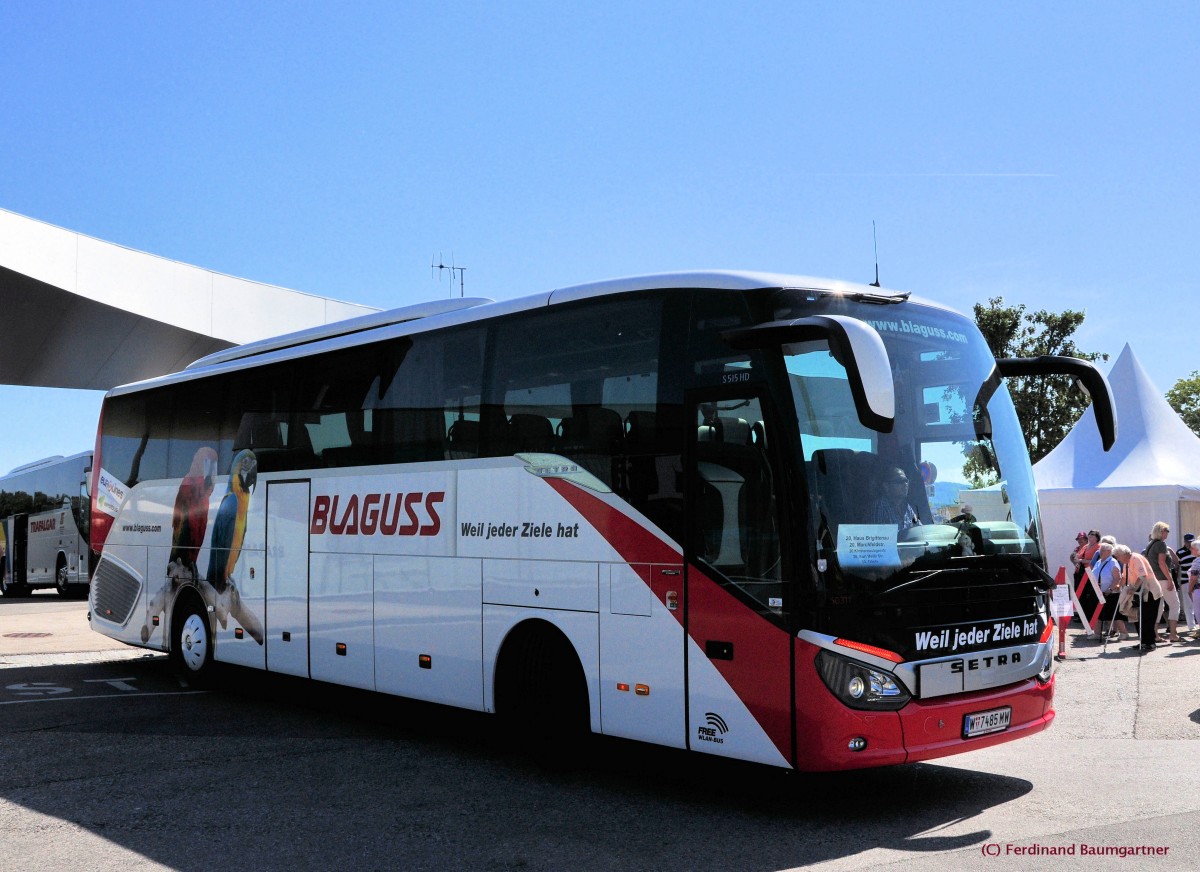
[(134, 445), (198, 412), (429, 409), (262, 399), (566, 381), (333, 419)]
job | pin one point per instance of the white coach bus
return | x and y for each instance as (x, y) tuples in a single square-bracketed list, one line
[(44, 515), (644, 507)]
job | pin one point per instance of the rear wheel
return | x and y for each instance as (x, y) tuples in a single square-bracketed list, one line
[(541, 693), (8, 588), (61, 578), (192, 640)]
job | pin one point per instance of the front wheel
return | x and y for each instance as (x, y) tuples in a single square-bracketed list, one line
[(192, 642)]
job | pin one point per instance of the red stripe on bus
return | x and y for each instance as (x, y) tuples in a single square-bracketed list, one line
[(766, 693)]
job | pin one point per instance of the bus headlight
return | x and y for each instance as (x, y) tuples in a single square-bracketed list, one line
[(860, 686)]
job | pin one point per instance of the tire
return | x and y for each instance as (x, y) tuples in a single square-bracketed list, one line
[(8, 589), (542, 694), (192, 640), (62, 578)]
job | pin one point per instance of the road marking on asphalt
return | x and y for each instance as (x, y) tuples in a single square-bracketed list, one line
[(116, 683), (102, 696)]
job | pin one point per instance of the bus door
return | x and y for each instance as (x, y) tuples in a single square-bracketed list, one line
[(18, 544), (286, 620), (739, 654), (82, 511)]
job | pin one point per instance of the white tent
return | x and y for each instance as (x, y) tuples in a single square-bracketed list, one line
[(1152, 472)]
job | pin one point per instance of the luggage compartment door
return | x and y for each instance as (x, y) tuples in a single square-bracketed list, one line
[(287, 629)]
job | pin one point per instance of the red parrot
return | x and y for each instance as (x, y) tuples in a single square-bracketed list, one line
[(190, 518)]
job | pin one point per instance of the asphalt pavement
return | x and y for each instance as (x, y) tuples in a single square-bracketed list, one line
[(109, 761)]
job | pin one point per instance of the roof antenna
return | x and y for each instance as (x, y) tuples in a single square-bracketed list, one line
[(440, 266), (875, 240)]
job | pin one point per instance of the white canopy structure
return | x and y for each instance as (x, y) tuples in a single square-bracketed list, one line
[(79, 312), (1151, 474)]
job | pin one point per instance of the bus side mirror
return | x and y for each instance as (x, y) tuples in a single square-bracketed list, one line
[(855, 344), (1087, 378)]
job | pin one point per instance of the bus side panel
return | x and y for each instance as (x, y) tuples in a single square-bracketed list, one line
[(286, 617), (580, 628), (429, 607), (543, 584), (641, 659), (250, 582), (341, 637)]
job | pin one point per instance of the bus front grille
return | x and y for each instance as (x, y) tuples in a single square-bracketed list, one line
[(115, 589)]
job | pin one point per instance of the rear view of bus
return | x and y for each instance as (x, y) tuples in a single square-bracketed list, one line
[(722, 512)]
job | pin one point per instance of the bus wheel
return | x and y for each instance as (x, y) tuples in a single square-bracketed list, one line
[(61, 578), (541, 693), (192, 640), (9, 589)]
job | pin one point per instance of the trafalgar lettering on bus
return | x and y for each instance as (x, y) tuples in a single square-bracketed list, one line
[(651, 508)]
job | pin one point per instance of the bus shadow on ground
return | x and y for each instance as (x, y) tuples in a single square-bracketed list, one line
[(298, 774)]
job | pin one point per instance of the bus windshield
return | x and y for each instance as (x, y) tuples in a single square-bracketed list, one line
[(952, 480)]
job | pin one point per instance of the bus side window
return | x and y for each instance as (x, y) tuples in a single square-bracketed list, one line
[(433, 382), (196, 423), (134, 446)]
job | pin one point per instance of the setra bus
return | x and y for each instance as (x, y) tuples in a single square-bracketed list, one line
[(45, 511), (644, 507)]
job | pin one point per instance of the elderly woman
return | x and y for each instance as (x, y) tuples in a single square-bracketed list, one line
[(1162, 562), (1108, 574), (1142, 581)]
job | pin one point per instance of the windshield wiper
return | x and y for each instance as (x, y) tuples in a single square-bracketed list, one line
[(1018, 564)]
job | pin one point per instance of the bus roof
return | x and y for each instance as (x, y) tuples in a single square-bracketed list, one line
[(339, 328), (45, 462), (464, 310)]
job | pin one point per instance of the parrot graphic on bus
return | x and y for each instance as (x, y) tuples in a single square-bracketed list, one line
[(229, 531), (188, 527), (189, 521), (190, 518)]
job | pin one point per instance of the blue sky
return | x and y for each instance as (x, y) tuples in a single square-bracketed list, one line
[(1042, 152)]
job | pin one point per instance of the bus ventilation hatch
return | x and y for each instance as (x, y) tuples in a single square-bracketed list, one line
[(115, 590)]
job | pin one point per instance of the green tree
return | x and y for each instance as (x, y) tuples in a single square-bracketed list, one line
[(1047, 406), (1185, 399)]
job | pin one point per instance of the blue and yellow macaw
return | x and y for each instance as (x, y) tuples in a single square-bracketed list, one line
[(229, 528)]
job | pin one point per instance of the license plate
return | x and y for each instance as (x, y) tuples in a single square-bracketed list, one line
[(991, 721)]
